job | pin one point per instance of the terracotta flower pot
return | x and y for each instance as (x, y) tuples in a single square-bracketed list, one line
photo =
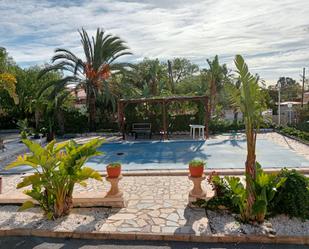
[(196, 171), (113, 171)]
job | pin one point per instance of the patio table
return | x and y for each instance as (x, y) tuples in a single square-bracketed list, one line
[(201, 129)]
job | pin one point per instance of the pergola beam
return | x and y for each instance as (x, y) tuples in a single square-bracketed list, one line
[(122, 103), (160, 100)]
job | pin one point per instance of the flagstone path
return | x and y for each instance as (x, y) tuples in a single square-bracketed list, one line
[(156, 205)]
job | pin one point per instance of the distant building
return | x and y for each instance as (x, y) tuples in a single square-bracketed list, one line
[(80, 97), (306, 97), (288, 114)]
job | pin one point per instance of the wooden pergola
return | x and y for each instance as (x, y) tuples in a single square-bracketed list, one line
[(122, 103)]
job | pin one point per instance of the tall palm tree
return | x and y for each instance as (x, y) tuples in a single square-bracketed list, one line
[(214, 74), (91, 72), (249, 99)]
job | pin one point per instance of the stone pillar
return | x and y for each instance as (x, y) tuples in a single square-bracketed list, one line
[(114, 190), (114, 196), (197, 191)]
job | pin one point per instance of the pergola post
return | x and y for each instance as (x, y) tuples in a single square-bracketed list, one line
[(206, 118), (121, 118), (164, 120)]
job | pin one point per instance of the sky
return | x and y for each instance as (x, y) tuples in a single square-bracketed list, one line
[(272, 35)]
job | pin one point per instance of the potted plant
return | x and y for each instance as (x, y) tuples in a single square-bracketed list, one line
[(113, 170), (196, 167)]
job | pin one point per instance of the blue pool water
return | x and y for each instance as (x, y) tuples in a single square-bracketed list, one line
[(218, 153)]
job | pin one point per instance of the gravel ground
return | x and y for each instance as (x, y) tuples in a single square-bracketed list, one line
[(80, 219), (283, 225), (92, 219)]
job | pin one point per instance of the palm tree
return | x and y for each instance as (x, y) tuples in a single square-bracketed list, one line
[(216, 75), (91, 72), (249, 99)]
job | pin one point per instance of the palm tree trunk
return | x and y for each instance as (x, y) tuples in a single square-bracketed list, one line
[(235, 116), (60, 120), (92, 111), (250, 170), (212, 98), (37, 116)]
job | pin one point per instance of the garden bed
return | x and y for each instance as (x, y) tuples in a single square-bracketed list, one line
[(103, 223)]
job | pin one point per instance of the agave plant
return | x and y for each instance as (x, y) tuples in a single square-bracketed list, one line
[(91, 72), (58, 167)]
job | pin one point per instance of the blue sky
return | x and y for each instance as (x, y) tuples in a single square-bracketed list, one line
[(272, 35)]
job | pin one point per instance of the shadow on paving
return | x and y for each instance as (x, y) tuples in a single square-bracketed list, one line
[(51, 243)]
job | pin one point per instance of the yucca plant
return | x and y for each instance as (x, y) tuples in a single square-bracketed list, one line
[(58, 167)]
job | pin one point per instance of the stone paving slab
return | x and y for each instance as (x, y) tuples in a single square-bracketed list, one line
[(157, 205)]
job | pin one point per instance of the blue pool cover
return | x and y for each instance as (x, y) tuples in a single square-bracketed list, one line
[(218, 153)]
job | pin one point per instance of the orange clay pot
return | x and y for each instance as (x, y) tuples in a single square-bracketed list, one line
[(113, 172), (196, 171)]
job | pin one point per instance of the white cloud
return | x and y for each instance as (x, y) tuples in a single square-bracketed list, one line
[(273, 35)]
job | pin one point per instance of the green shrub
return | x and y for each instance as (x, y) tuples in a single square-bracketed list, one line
[(231, 194), (295, 133), (58, 167), (293, 197), (265, 187), (24, 129), (114, 165), (303, 126), (218, 184), (75, 121), (197, 163)]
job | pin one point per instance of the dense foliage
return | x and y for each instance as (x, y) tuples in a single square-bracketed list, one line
[(57, 167), (293, 197), (286, 192), (291, 131)]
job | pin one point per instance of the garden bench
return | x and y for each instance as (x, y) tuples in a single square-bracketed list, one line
[(141, 128)]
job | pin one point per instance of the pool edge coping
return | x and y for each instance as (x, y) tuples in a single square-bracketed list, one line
[(181, 172)]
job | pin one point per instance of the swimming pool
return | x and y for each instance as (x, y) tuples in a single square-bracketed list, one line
[(218, 153)]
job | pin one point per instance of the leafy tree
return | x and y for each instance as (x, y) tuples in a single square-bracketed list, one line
[(93, 71), (28, 88), (7, 81), (151, 77), (183, 68), (290, 89)]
